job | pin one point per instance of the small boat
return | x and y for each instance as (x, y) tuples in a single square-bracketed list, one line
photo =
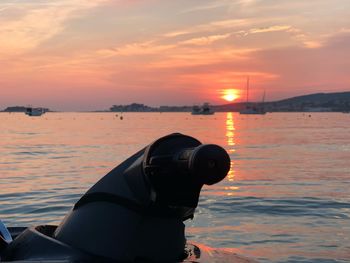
[(34, 111), (253, 109), (135, 213), (205, 109)]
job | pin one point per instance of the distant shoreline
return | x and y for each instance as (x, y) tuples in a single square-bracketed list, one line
[(319, 102)]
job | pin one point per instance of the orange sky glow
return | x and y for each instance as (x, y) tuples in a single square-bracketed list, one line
[(230, 94), (91, 54)]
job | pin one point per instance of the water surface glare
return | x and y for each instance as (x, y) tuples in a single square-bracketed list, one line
[(286, 198)]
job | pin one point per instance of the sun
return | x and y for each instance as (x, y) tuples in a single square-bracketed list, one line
[(230, 94)]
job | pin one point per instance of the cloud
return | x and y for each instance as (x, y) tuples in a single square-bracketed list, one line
[(207, 40), (274, 28), (207, 6), (303, 70), (36, 22), (210, 27), (227, 4), (159, 47), (137, 48)]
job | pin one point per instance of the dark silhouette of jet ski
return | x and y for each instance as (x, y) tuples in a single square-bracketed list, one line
[(133, 214)]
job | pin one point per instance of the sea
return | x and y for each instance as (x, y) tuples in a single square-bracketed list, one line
[(285, 199)]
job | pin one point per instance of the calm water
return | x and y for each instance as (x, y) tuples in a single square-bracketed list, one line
[(286, 198)]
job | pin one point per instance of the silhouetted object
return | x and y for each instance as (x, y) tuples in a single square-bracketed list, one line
[(5, 237), (34, 111), (16, 109), (205, 109), (253, 109), (135, 213)]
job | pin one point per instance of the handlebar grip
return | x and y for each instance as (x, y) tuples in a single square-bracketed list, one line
[(207, 163)]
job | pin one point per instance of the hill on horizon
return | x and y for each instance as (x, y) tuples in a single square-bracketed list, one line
[(335, 101), (320, 97)]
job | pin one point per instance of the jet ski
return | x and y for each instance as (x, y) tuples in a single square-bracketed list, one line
[(135, 213)]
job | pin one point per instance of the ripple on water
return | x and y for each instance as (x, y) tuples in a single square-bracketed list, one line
[(320, 208), (286, 199)]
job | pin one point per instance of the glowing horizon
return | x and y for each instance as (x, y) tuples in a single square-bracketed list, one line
[(91, 54), (230, 95)]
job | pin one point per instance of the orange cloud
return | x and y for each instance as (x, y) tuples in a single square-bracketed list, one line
[(38, 22), (140, 49)]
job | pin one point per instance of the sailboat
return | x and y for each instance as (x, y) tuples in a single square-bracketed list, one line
[(252, 109)]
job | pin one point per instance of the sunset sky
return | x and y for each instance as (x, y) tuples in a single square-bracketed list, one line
[(91, 54)]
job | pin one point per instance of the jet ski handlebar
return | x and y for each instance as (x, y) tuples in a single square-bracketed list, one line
[(206, 164), (135, 212), (177, 166)]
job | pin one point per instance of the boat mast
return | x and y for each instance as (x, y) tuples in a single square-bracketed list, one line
[(247, 89), (263, 102), (263, 99)]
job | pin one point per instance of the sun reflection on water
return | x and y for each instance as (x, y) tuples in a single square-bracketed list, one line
[(230, 133)]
